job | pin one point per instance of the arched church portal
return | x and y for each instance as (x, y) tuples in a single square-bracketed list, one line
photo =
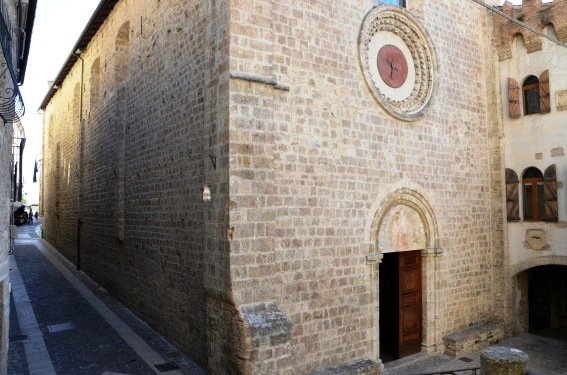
[(406, 239)]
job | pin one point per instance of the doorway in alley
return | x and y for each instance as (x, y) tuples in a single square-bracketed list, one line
[(400, 293)]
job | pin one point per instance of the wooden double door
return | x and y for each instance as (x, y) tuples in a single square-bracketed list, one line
[(400, 304)]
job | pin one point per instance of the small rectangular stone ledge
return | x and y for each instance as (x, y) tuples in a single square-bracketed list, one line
[(473, 338), (362, 367), (267, 323)]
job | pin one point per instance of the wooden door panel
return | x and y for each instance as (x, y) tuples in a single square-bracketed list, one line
[(409, 283), (410, 303)]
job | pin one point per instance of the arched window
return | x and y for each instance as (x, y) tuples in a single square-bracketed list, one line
[(122, 52), (400, 3), (95, 83), (530, 89), (534, 195)]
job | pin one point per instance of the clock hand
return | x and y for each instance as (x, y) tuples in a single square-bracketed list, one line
[(393, 68)]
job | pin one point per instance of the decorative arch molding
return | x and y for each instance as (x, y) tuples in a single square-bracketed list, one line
[(548, 260), (405, 193), (415, 200)]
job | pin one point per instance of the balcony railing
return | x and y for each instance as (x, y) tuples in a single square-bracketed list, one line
[(11, 102)]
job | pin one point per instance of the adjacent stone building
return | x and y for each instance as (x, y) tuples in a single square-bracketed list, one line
[(534, 88), (287, 187), (16, 25)]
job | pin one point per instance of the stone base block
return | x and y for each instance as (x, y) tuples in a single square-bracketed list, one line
[(473, 338), (498, 360), (363, 367)]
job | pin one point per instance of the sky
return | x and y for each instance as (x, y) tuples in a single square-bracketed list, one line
[(57, 27)]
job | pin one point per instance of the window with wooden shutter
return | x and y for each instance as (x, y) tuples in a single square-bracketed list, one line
[(544, 102), (512, 200), (514, 98), (550, 183)]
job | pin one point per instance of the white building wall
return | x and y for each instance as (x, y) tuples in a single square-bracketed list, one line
[(537, 140)]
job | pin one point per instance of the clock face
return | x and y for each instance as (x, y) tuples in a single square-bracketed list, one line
[(393, 72), (397, 60), (392, 66)]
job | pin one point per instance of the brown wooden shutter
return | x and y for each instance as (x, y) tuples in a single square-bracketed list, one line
[(512, 200), (544, 103), (550, 188), (514, 98)]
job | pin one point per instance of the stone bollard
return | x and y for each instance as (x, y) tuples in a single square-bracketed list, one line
[(498, 360)]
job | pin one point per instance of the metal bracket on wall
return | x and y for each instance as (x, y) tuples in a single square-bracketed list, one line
[(213, 158)]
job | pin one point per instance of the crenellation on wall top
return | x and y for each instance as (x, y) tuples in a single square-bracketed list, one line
[(534, 13)]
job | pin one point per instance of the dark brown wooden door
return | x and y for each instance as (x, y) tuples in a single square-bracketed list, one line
[(409, 303)]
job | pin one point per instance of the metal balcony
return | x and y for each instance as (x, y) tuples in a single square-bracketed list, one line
[(11, 101)]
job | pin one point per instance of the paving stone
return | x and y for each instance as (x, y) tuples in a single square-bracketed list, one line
[(78, 339), (546, 356)]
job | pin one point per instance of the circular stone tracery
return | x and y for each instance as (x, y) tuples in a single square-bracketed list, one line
[(404, 97)]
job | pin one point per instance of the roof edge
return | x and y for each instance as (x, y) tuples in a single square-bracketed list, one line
[(29, 30), (95, 22)]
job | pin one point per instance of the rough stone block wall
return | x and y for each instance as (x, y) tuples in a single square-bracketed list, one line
[(309, 166), (61, 170), (153, 111)]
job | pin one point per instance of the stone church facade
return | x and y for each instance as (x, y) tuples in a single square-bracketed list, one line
[(287, 187)]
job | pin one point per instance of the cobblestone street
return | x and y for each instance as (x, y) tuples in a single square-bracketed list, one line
[(62, 323)]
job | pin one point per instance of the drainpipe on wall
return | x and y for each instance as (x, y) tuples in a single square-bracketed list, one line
[(78, 53), (20, 178)]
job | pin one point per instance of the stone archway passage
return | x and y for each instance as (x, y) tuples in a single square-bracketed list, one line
[(542, 302)]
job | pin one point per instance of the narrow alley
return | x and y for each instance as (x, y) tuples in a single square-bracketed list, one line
[(63, 323)]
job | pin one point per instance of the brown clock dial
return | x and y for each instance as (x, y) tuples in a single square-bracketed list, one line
[(392, 66)]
